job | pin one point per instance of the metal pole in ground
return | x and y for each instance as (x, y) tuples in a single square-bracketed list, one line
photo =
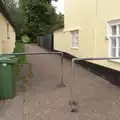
[(73, 102), (72, 85), (62, 68), (45, 53)]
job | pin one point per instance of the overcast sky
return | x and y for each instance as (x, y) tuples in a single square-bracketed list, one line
[(59, 5)]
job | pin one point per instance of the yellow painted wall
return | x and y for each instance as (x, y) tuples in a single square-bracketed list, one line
[(63, 42), (90, 18), (6, 45), (105, 13), (77, 17)]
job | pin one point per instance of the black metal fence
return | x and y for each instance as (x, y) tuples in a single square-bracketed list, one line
[(46, 41)]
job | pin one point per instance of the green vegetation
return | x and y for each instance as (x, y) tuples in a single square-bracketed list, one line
[(18, 49), (40, 18), (21, 58), (16, 15), (21, 61), (33, 17), (26, 39)]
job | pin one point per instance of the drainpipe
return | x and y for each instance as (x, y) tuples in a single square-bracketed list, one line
[(95, 29)]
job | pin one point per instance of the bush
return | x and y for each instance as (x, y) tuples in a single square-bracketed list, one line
[(21, 58), (26, 39)]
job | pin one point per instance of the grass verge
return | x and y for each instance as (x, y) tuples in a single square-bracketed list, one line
[(21, 58)]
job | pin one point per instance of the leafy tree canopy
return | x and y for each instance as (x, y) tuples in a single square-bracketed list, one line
[(15, 13), (33, 17), (41, 17)]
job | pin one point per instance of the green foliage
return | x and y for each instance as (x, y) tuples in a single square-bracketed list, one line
[(19, 48), (33, 17), (15, 14), (40, 17), (25, 39), (60, 21)]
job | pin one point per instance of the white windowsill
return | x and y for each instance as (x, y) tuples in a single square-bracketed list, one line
[(75, 48), (71, 29), (117, 61)]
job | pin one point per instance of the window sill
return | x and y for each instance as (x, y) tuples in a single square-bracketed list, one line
[(75, 48), (116, 61), (71, 29)]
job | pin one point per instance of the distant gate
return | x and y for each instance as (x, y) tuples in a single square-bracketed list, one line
[(46, 41)]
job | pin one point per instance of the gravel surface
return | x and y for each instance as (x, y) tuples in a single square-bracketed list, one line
[(97, 99)]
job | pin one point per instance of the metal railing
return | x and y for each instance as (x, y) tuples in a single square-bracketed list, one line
[(61, 84), (44, 53), (73, 102)]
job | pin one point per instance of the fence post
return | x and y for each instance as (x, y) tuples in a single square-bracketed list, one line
[(62, 79)]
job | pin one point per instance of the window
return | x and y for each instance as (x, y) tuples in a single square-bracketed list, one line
[(8, 31), (114, 39), (75, 38)]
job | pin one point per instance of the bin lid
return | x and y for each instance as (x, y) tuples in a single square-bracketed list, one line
[(8, 59)]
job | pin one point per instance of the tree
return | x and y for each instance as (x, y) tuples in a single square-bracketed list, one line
[(23, 3), (40, 17), (15, 14), (33, 17), (60, 21)]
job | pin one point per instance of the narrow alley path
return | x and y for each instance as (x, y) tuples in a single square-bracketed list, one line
[(97, 99)]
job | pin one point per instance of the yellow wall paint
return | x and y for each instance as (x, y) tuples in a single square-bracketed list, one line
[(77, 16), (63, 42), (6, 45), (90, 17), (105, 13)]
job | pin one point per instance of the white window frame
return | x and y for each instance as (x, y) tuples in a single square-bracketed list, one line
[(75, 38), (117, 37)]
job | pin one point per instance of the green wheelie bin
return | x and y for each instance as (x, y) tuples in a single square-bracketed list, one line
[(7, 82)]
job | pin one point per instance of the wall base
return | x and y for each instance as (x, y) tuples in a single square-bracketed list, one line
[(108, 74)]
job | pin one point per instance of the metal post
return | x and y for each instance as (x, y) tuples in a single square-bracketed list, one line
[(62, 79), (72, 93), (44, 53), (72, 84), (39, 53), (73, 102)]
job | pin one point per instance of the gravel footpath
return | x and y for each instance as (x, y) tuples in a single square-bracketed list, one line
[(97, 99)]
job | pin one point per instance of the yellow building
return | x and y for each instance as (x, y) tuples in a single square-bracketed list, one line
[(91, 29), (7, 31)]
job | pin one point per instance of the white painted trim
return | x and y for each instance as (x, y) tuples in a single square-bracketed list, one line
[(117, 47), (75, 48), (109, 25), (75, 38), (117, 61), (71, 29), (109, 47), (108, 30), (114, 22)]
